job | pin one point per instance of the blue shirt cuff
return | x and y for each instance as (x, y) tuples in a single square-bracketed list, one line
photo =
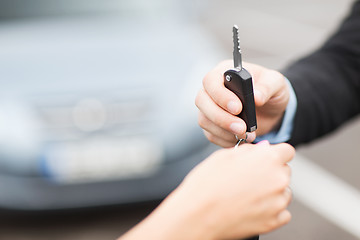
[(287, 124)]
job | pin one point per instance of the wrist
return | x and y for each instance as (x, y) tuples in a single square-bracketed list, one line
[(185, 217), (175, 218)]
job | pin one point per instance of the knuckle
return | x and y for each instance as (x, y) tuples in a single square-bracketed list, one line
[(284, 218), (276, 75), (287, 219), (266, 88), (202, 120), (289, 198), (271, 224), (291, 151), (281, 203), (225, 121), (283, 181), (211, 138), (277, 221), (288, 170), (204, 80), (287, 150), (198, 98)]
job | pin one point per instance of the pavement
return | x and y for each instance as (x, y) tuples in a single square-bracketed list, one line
[(326, 181)]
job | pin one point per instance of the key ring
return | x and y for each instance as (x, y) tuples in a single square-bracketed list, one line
[(240, 140)]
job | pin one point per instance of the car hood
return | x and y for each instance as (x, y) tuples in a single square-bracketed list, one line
[(101, 80)]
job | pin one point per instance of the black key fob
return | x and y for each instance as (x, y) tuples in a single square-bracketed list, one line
[(239, 81)]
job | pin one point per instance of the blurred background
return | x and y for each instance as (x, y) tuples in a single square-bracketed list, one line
[(98, 117)]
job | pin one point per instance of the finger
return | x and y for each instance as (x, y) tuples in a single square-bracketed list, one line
[(280, 201), (283, 152), (244, 147), (247, 137), (218, 141), (278, 220), (218, 116), (214, 85), (212, 128), (287, 169), (267, 83), (251, 136), (263, 142), (288, 195), (284, 217), (274, 205)]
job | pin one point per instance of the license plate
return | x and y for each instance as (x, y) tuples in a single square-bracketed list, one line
[(102, 159)]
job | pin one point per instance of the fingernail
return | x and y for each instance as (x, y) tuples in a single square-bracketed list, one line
[(233, 107), (237, 128), (263, 142), (251, 137)]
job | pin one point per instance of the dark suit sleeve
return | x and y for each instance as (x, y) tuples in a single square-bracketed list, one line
[(327, 83)]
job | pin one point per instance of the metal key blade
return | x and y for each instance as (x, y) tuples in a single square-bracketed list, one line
[(237, 50)]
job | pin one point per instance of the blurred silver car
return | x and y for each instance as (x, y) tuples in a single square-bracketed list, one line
[(98, 109)]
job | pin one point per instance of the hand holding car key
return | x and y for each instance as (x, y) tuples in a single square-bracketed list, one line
[(239, 81)]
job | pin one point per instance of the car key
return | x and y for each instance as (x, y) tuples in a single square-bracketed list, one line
[(239, 81)]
